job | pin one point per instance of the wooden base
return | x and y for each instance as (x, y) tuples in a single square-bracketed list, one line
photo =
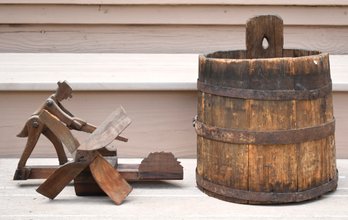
[(157, 166)]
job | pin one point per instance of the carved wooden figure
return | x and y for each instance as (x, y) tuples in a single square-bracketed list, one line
[(34, 127), (92, 174)]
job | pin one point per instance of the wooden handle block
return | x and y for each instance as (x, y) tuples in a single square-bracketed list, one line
[(264, 37)]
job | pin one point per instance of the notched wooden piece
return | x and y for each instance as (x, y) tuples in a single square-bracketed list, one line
[(160, 165)]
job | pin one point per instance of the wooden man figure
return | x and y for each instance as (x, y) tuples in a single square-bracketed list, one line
[(34, 126)]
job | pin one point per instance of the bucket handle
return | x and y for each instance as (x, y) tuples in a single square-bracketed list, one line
[(264, 37)]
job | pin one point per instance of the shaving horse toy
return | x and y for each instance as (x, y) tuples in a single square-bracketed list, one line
[(95, 169)]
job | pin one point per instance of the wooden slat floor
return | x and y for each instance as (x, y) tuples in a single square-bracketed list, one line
[(161, 200)]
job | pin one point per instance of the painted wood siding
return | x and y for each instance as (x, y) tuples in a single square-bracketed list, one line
[(162, 119), (166, 27)]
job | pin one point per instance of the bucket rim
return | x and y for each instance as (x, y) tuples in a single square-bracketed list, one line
[(210, 56)]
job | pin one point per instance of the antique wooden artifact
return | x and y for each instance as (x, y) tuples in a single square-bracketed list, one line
[(95, 170), (156, 166), (265, 124), (34, 127), (107, 177)]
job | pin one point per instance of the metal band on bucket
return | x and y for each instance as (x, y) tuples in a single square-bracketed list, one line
[(291, 136), (265, 94), (274, 197)]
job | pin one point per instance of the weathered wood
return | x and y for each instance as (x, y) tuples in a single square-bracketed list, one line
[(160, 164), (54, 121), (89, 128), (129, 171), (172, 199), (156, 166), (111, 182), (60, 178), (60, 130), (115, 123), (264, 37), (270, 167), (36, 172)]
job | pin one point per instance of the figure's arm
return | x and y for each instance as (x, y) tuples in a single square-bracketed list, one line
[(71, 121), (64, 109), (78, 120), (54, 109)]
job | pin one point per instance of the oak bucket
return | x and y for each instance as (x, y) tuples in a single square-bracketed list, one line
[(265, 125)]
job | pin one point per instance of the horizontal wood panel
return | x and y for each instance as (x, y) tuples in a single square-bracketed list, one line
[(117, 71), (162, 121), (163, 200), (164, 14), (181, 2), (157, 38)]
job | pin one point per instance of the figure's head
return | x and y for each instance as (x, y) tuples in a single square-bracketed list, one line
[(64, 91)]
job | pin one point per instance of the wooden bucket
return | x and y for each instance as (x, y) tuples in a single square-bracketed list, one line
[(265, 125)]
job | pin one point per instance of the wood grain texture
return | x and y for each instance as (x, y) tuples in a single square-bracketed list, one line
[(158, 201), (117, 72), (158, 38), (60, 130), (264, 37), (160, 164), (107, 131), (57, 181), (175, 109), (105, 26), (179, 2), (162, 121), (110, 180), (273, 169), (164, 14)]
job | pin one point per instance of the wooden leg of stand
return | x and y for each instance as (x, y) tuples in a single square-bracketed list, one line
[(35, 128), (57, 145)]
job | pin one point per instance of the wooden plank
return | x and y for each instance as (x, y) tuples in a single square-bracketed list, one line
[(314, 157), (272, 168), (222, 163), (158, 38), (110, 180), (166, 114), (164, 14), (107, 131), (102, 72), (117, 72), (20, 201), (181, 2), (173, 110)]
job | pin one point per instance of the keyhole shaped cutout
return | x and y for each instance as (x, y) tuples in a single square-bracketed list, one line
[(265, 44)]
